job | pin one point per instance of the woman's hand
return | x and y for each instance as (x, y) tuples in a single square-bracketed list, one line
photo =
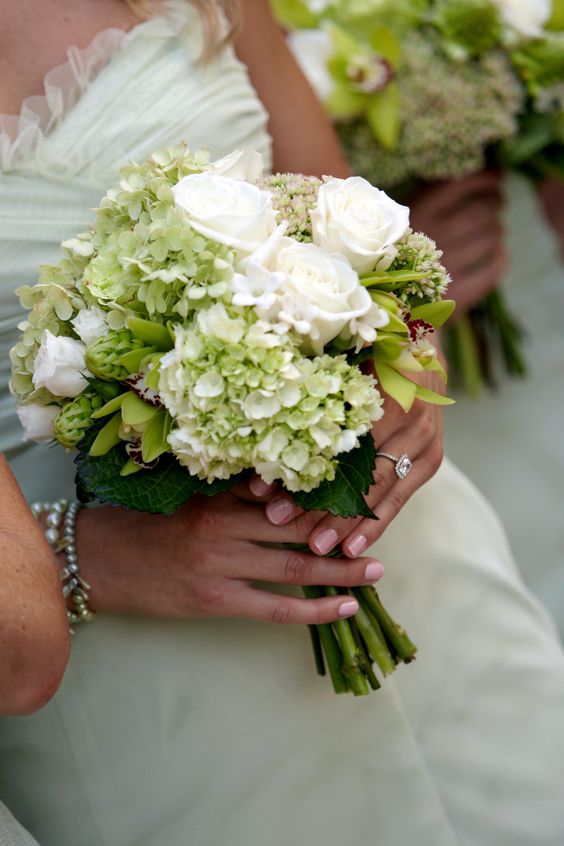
[(418, 434), (203, 560), (464, 218), (551, 194)]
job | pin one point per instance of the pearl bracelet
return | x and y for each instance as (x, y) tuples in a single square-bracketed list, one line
[(74, 586)]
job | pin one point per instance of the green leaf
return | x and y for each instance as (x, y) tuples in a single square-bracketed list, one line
[(151, 333), (343, 497), (383, 115), (220, 485), (159, 491), (436, 313), (398, 387)]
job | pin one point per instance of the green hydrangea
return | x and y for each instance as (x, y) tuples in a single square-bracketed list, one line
[(451, 112), (243, 396), (139, 258), (294, 196)]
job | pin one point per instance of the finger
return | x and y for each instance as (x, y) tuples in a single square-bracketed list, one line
[(480, 253), (443, 197), (254, 489), (367, 532), (466, 224), (297, 567), (271, 607), (479, 281), (332, 530)]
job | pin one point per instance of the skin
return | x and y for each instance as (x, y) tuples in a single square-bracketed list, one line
[(551, 195), (34, 634), (203, 578), (465, 218)]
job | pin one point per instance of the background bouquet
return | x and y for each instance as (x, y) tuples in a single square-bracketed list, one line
[(213, 322), (438, 89)]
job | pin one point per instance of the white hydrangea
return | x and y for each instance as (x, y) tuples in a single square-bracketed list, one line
[(243, 396)]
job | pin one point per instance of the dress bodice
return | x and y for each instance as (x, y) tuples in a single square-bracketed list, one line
[(125, 95)]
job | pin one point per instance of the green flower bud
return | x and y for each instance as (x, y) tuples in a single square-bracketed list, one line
[(103, 356), (75, 418)]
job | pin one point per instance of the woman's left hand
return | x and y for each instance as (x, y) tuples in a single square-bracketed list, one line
[(418, 433)]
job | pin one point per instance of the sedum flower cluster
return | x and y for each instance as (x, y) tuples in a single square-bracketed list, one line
[(217, 314), (294, 197), (451, 113), (424, 89)]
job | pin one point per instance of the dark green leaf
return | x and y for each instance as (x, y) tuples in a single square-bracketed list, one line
[(344, 496), (159, 491)]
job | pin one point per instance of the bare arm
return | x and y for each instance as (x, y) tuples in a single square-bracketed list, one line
[(304, 140), (34, 638)]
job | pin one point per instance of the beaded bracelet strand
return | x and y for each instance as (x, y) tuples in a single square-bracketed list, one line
[(74, 585), (75, 588)]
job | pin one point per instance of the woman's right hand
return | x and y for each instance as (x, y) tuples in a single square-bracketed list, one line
[(203, 560)]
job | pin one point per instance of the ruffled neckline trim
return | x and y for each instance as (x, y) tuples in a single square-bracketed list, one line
[(21, 135)]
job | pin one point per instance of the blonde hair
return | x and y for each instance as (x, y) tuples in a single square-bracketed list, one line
[(214, 14)]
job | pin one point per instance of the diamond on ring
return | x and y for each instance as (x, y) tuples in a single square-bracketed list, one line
[(402, 465)]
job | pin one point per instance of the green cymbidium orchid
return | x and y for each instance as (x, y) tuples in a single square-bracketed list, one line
[(363, 72)]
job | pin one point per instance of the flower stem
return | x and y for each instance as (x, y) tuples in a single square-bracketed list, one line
[(351, 664), (396, 637), (374, 640)]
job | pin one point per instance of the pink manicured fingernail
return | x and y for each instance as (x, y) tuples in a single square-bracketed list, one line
[(374, 571), (279, 510), (358, 545), (259, 487), (348, 608), (325, 541)]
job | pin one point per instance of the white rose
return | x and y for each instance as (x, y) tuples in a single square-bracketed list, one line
[(361, 222), (226, 210), (247, 165), (90, 324), (38, 421), (59, 366), (321, 295), (312, 49), (526, 17)]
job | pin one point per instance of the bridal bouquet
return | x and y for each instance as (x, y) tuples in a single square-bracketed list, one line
[(212, 323), (437, 89)]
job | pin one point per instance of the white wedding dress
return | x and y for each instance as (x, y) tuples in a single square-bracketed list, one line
[(212, 732)]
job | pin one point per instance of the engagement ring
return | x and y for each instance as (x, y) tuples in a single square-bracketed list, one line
[(402, 464)]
